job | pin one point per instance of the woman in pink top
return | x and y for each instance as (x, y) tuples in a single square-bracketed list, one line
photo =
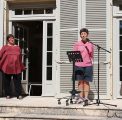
[(11, 66), (84, 70)]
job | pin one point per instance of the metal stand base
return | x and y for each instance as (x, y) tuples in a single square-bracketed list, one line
[(98, 103), (69, 99)]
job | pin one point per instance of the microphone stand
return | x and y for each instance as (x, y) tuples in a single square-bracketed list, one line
[(98, 98)]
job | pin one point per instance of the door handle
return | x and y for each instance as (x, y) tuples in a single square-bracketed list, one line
[(106, 62)]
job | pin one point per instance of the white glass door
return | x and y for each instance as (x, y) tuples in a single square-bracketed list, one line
[(48, 53), (21, 38), (117, 58)]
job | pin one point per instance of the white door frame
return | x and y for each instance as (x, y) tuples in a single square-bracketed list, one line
[(116, 59), (45, 19), (48, 85), (1, 22), (24, 78)]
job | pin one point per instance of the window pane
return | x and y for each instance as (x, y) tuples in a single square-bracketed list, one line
[(38, 11), (120, 42), (49, 73), (49, 44), (49, 11), (25, 39), (21, 33), (24, 75), (49, 58), (120, 27), (26, 12), (16, 32), (18, 12), (120, 7), (19, 36), (120, 73), (49, 29), (120, 57)]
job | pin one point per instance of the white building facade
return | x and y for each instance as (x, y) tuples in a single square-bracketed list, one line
[(47, 29)]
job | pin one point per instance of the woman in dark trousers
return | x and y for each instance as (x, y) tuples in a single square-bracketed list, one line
[(11, 66)]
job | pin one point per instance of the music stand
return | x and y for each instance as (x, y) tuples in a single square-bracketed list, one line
[(74, 56)]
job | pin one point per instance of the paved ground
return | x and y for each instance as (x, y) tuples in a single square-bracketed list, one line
[(38, 101), (47, 104)]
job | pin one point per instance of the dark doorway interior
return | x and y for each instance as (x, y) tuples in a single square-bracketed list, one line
[(35, 42), (35, 55)]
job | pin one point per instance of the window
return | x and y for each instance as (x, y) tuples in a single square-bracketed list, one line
[(33, 11), (18, 12), (120, 7), (49, 11), (49, 50), (120, 49), (27, 12), (38, 11)]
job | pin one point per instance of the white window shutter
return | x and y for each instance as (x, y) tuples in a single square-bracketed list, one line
[(96, 23), (68, 34)]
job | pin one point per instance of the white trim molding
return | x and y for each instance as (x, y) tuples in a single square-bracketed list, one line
[(1, 22)]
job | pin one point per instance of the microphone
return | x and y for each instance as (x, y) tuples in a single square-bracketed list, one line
[(16, 39), (87, 39)]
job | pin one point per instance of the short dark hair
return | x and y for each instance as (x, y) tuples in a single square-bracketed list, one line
[(84, 30), (9, 35)]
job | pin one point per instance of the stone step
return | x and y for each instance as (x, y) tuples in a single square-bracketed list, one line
[(58, 110), (37, 108), (19, 116), (69, 111)]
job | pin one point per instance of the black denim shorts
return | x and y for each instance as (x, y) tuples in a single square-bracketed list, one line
[(84, 73)]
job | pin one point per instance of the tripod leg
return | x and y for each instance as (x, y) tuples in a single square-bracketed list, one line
[(98, 102), (71, 102), (67, 102), (59, 101)]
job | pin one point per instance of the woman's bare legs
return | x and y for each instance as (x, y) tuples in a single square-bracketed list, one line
[(81, 88), (84, 87)]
